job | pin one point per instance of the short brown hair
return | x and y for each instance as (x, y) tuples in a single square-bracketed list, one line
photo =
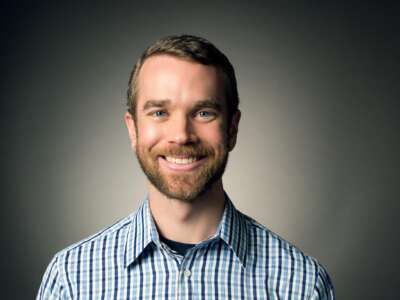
[(192, 48)]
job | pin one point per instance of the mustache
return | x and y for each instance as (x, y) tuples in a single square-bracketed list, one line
[(184, 151)]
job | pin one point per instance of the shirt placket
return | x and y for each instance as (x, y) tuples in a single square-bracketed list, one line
[(184, 276)]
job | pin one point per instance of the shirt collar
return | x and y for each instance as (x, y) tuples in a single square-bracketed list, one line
[(232, 230), (142, 232)]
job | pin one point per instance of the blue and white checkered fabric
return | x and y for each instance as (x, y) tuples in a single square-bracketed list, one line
[(243, 260)]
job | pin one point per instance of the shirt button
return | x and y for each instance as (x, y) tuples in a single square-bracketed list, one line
[(187, 273)]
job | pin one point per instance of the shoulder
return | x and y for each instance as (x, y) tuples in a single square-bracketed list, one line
[(60, 280), (264, 239), (283, 262), (113, 236)]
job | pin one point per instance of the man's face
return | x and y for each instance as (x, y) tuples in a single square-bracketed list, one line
[(181, 136)]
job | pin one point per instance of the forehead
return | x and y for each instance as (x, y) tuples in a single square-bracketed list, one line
[(166, 77)]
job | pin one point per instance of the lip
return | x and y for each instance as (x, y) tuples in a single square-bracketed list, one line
[(181, 168)]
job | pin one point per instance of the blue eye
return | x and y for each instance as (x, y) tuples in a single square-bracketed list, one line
[(203, 113), (206, 114), (158, 113)]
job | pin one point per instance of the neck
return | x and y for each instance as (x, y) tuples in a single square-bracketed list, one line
[(187, 222)]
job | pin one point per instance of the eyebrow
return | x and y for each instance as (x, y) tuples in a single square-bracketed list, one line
[(207, 103), (156, 103)]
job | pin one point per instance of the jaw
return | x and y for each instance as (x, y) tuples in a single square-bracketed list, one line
[(185, 175)]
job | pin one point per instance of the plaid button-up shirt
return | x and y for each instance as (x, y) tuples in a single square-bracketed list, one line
[(243, 260)]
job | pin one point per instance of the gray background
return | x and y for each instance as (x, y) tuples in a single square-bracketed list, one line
[(317, 154)]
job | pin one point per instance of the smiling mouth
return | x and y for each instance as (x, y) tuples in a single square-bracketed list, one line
[(182, 160), (182, 163)]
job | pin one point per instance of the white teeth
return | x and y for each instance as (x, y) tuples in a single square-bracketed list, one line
[(181, 161)]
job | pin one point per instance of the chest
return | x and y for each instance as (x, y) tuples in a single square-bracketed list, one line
[(197, 276)]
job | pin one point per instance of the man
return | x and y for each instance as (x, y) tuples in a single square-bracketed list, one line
[(186, 240)]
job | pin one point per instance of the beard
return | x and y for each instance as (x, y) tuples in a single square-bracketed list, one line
[(190, 185)]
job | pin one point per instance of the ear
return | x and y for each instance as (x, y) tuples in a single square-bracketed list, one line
[(130, 124), (233, 130)]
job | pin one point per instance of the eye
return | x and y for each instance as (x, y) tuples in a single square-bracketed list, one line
[(206, 115), (158, 114)]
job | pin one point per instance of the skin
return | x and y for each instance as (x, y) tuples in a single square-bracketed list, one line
[(175, 117)]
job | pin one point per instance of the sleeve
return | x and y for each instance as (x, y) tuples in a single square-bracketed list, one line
[(51, 287), (323, 289)]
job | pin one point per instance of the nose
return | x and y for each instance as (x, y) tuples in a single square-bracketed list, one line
[(180, 131)]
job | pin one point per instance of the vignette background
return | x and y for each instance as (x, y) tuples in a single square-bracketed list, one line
[(317, 153)]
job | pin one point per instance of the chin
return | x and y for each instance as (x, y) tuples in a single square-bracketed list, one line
[(187, 195)]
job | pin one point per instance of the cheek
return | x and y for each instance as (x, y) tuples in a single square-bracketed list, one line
[(148, 136), (213, 135)]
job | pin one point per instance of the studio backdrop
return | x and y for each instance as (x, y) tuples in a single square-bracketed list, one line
[(316, 159)]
